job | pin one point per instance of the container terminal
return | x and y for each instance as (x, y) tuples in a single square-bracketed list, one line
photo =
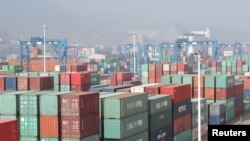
[(55, 91)]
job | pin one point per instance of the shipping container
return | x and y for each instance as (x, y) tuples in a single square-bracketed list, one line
[(159, 120), (217, 109), (224, 81), (141, 88), (22, 83), (182, 108), (195, 131), (114, 128), (41, 83), (50, 126), (80, 78), (229, 103), (184, 136), (125, 105), (203, 119), (181, 124), (159, 103), (217, 119), (79, 104), (166, 79), (162, 134), (11, 83), (210, 81), (138, 137), (29, 126), (246, 106), (65, 78), (9, 130), (153, 89), (2, 83), (203, 106)]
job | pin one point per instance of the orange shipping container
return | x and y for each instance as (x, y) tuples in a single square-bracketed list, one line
[(49, 126), (181, 124), (210, 93)]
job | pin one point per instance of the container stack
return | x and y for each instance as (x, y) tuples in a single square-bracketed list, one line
[(189, 79), (204, 115), (152, 73), (160, 118), (120, 78), (50, 116), (225, 94), (127, 110), (239, 98), (80, 81), (182, 68), (41, 83), (65, 82), (145, 69), (80, 115), (158, 72), (202, 86), (29, 116), (173, 68), (210, 87), (181, 99), (246, 95), (95, 79), (56, 78), (217, 114), (9, 130), (166, 69)]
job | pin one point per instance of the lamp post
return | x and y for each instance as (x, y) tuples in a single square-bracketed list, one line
[(199, 96), (44, 48)]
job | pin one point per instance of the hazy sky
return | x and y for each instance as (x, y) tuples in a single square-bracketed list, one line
[(85, 18)]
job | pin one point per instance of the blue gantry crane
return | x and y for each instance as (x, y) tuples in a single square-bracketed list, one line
[(58, 44)]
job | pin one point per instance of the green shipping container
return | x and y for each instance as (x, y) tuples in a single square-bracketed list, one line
[(224, 81), (9, 102), (230, 115), (33, 74), (195, 119), (230, 103), (159, 120), (23, 138), (29, 125), (49, 139), (90, 138), (188, 79), (246, 106), (239, 69), (65, 88), (234, 69), (166, 79), (234, 63), (50, 103), (229, 63), (5, 67), (159, 103), (144, 68), (123, 128), (25, 74), (95, 79), (177, 79), (224, 64), (194, 102), (139, 137), (8, 117), (245, 68), (56, 88), (56, 78), (125, 105), (210, 81), (184, 136)]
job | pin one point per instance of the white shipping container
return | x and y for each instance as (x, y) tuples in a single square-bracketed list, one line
[(140, 88), (247, 73), (44, 74), (57, 68), (195, 131), (166, 67), (144, 74)]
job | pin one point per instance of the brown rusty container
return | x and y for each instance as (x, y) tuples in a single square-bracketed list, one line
[(224, 93), (41, 83), (80, 126), (113, 79), (195, 94), (22, 83), (50, 126), (79, 104), (181, 124), (65, 78), (202, 82), (2, 83), (152, 77), (153, 89)]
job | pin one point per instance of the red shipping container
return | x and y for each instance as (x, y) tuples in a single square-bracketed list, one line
[(159, 67), (124, 90), (65, 78), (214, 64), (153, 89), (80, 88), (202, 81), (182, 67), (124, 76), (80, 126), (78, 68), (179, 92), (238, 89), (224, 93), (181, 124), (229, 69), (239, 110), (41, 83), (23, 83), (2, 83), (9, 130), (152, 67), (49, 126), (195, 94), (135, 82), (79, 104), (113, 79), (210, 93), (152, 77), (80, 78), (240, 63), (173, 68)]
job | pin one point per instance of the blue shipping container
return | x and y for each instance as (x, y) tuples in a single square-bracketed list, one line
[(217, 120), (162, 134), (247, 95), (10, 83), (182, 108)]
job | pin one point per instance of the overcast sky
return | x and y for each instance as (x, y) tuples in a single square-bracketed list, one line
[(75, 18)]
